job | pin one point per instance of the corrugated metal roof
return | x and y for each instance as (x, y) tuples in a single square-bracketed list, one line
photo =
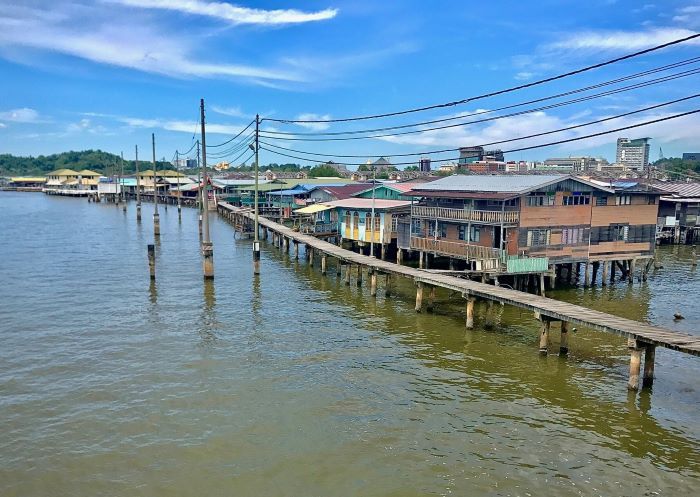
[(498, 183), (345, 191), (313, 209), (492, 183), (366, 203), (682, 189)]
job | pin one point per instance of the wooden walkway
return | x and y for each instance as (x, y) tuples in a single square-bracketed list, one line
[(640, 335)]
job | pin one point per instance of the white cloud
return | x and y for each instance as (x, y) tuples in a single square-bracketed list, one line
[(2, 125), (233, 13), (622, 40), (682, 18), (231, 111), (23, 115), (123, 42), (177, 125), (690, 9), (524, 75), (313, 117)]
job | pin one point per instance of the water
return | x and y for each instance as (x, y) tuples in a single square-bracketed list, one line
[(296, 384)]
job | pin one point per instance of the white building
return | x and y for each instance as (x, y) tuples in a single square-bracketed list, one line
[(633, 153)]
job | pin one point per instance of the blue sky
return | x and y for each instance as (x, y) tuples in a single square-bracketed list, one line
[(105, 74)]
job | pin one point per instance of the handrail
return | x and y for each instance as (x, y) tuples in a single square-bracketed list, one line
[(478, 216)]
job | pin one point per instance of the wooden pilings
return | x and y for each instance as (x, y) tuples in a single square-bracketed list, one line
[(208, 255), (359, 275), (373, 283), (649, 357), (348, 268), (544, 335), (635, 363), (152, 260), (323, 264), (156, 224), (470, 312), (296, 249), (431, 300), (564, 338), (419, 296), (399, 256), (387, 286)]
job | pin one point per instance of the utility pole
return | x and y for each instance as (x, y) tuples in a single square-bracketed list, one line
[(199, 191), (156, 216), (374, 183), (179, 192), (207, 246), (256, 242), (121, 180), (138, 187)]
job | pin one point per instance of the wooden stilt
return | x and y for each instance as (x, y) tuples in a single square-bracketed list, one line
[(399, 256), (310, 255), (296, 249), (431, 300), (323, 264), (542, 291), (348, 269), (383, 251), (564, 339), (630, 274), (635, 363), (373, 283), (649, 357), (338, 267), (587, 279), (470, 312), (387, 287), (419, 296), (359, 275), (421, 259), (606, 270), (544, 336)]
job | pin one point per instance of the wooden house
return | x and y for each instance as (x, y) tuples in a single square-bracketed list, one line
[(679, 212), (525, 223)]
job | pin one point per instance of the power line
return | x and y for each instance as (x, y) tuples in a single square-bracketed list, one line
[(231, 139), (492, 94), (243, 143), (498, 109), (430, 152), (503, 116), (558, 142)]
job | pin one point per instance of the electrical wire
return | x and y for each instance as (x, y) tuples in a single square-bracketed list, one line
[(231, 139), (236, 148), (431, 152), (635, 86), (558, 142), (685, 62), (495, 93)]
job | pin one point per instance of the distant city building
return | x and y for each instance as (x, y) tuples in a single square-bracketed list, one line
[(486, 166), (691, 156), (341, 168), (448, 168), (467, 155), (575, 164), (424, 165), (633, 153), (185, 163)]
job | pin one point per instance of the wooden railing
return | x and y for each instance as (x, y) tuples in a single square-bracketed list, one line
[(319, 228), (470, 252), (477, 216)]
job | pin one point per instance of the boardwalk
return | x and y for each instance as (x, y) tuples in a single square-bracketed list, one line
[(641, 336)]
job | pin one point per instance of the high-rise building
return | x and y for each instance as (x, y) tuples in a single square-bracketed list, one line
[(424, 165), (468, 155), (633, 153)]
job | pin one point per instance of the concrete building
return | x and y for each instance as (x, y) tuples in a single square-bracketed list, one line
[(467, 155), (633, 153), (575, 164), (691, 156), (424, 165)]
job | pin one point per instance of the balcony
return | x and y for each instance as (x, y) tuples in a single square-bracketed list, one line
[(466, 215), (455, 249), (319, 228)]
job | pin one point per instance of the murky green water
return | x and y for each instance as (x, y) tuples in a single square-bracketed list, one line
[(298, 385)]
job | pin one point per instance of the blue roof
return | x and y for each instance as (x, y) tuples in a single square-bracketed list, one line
[(287, 192), (624, 184)]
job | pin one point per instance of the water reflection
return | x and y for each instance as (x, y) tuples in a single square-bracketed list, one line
[(208, 319)]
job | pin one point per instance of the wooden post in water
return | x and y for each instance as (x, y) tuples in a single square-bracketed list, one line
[(606, 271), (399, 256), (323, 264), (419, 296), (587, 279), (613, 268), (564, 339), (138, 188), (649, 356), (630, 274), (542, 291), (635, 363), (207, 245), (152, 260), (359, 275), (373, 283), (431, 299), (544, 335), (348, 267), (156, 216), (470, 312), (387, 287), (296, 249), (310, 255)]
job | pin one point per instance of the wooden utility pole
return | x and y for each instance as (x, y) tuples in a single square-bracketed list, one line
[(256, 242), (156, 216), (199, 192), (179, 192), (138, 187), (121, 180), (207, 245)]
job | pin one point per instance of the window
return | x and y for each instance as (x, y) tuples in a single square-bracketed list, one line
[(601, 201), (540, 200), (475, 235), (623, 200), (576, 199), (538, 238), (619, 232), (347, 219), (394, 223), (441, 229), (572, 236)]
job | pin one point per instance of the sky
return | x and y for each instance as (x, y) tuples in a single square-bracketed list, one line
[(105, 74)]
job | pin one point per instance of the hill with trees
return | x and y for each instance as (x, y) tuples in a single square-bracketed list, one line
[(95, 160)]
